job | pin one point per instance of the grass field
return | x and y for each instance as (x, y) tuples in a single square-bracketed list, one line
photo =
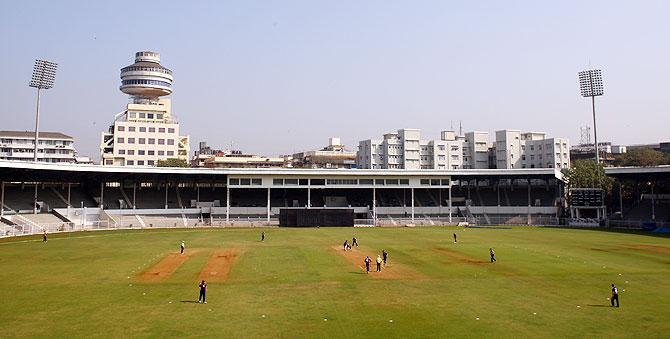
[(298, 283)]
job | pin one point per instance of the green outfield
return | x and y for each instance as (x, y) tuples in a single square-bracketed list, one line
[(299, 283)]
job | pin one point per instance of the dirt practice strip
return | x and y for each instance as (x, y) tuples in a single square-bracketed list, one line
[(460, 257), (392, 270), (166, 267), (219, 264)]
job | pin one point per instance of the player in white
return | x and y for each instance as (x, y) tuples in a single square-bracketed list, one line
[(182, 247)]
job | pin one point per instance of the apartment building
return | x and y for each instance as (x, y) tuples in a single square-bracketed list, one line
[(531, 150), (52, 146)]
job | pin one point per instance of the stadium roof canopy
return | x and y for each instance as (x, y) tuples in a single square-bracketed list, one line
[(31, 171), (639, 173)]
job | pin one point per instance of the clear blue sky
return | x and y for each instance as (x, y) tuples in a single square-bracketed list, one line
[(273, 77)]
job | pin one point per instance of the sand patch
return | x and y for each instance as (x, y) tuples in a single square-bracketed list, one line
[(166, 266), (219, 264), (393, 270), (651, 248), (460, 257)]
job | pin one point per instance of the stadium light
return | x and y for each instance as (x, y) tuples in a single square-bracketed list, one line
[(591, 85), (44, 75)]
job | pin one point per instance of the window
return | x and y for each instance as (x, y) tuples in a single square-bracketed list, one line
[(119, 140), (143, 129), (159, 116), (303, 182), (170, 142), (130, 162), (445, 182), (392, 181), (342, 181), (142, 141), (170, 130), (435, 182), (379, 181), (234, 181), (152, 129), (150, 162), (170, 153), (161, 141), (152, 141), (278, 182), (523, 147), (150, 115), (122, 151), (140, 152), (150, 152), (131, 128), (142, 115), (365, 181), (404, 181), (121, 128), (256, 181), (140, 162), (131, 140), (290, 181), (161, 152), (317, 182), (161, 130), (132, 115), (425, 182), (523, 157), (245, 182), (131, 152)]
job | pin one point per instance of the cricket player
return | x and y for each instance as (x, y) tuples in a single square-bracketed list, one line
[(455, 238), (354, 242), (203, 292), (493, 255), (182, 247), (44, 237), (367, 263), (262, 236), (379, 263), (615, 296), (346, 244), (385, 255)]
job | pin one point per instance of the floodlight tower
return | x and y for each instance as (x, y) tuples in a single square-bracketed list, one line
[(591, 85), (44, 75)]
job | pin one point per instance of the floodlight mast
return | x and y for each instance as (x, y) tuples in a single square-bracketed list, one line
[(591, 85), (44, 75)]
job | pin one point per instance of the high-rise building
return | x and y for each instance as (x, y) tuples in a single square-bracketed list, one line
[(476, 147), (406, 150), (52, 147), (145, 132), (335, 155), (531, 150)]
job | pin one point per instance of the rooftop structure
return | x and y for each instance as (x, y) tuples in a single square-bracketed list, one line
[(52, 146)]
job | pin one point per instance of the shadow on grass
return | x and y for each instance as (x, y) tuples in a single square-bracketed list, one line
[(190, 301), (598, 305)]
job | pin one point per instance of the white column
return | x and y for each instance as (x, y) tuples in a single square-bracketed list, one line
[(134, 203), (449, 200), (374, 205), (102, 195), (68, 194), (35, 200), (2, 198), (197, 194), (528, 201), (412, 189), (166, 195), (227, 203), (309, 198), (268, 204)]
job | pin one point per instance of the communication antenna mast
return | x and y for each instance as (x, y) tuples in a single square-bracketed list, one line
[(585, 135)]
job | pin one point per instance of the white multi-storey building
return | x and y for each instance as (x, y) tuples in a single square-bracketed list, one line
[(531, 150), (52, 147), (145, 132), (406, 150), (476, 150)]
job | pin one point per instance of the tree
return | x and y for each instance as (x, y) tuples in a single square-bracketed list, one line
[(172, 162), (585, 173), (643, 157)]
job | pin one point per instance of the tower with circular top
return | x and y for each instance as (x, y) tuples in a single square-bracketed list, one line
[(146, 79), (146, 132)]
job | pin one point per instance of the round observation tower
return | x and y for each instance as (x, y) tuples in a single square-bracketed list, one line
[(146, 79)]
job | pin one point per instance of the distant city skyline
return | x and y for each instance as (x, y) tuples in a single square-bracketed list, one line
[(277, 78)]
